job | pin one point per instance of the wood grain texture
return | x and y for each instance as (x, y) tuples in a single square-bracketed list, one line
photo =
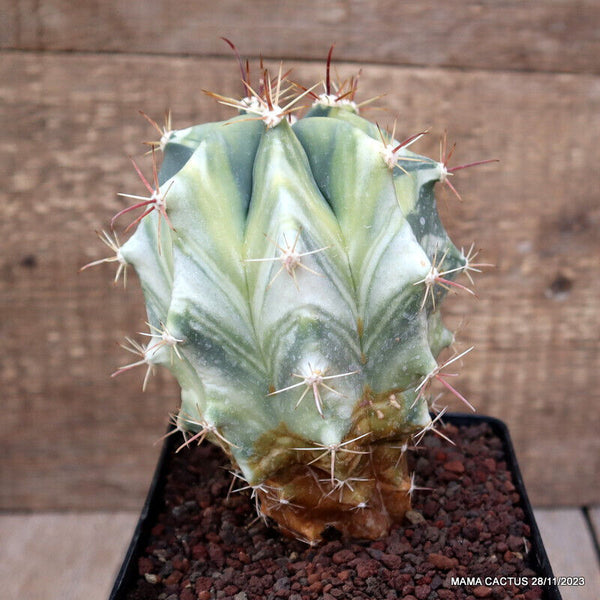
[(570, 547), (546, 35), (53, 556), (72, 437)]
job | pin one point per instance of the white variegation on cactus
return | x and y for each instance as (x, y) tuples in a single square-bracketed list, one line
[(293, 276)]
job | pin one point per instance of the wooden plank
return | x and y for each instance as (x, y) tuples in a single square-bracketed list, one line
[(551, 35), (74, 437), (571, 551), (63, 556)]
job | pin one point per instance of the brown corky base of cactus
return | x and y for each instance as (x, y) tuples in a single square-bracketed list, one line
[(376, 493)]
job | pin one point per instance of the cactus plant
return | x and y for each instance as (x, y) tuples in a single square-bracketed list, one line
[(293, 271)]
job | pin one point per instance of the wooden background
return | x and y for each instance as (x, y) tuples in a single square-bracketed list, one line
[(515, 80)]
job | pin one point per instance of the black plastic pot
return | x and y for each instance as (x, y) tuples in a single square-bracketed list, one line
[(128, 572)]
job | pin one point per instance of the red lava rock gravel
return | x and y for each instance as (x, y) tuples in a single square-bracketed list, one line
[(208, 544)]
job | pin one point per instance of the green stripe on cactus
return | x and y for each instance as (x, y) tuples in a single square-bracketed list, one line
[(180, 145), (208, 201), (440, 336), (422, 214), (295, 261), (385, 257), (346, 114), (312, 342), (400, 360), (190, 137), (174, 158), (415, 194)]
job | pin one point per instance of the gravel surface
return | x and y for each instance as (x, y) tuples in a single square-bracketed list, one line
[(208, 544)]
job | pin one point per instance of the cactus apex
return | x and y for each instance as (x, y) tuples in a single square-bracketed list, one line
[(265, 103)]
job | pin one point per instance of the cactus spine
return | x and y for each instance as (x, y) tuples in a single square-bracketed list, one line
[(293, 276)]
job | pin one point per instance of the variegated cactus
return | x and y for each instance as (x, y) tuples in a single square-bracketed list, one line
[(293, 276)]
